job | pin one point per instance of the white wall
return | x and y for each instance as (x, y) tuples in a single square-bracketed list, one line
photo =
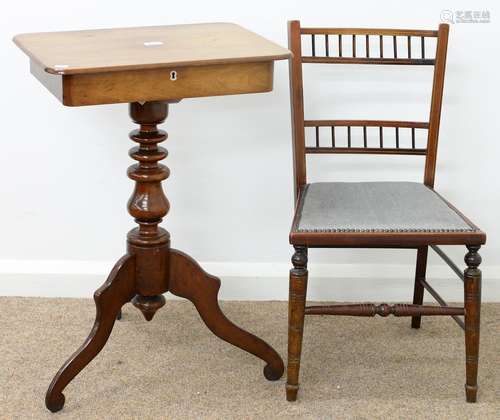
[(64, 188)]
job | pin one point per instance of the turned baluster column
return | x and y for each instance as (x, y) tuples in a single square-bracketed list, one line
[(148, 205)]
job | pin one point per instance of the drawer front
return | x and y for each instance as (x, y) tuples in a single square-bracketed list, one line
[(166, 83)]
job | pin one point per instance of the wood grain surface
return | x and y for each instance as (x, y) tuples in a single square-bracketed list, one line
[(103, 50)]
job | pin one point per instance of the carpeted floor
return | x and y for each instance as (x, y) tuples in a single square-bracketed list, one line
[(173, 367)]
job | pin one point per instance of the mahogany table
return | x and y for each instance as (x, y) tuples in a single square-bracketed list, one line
[(149, 68)]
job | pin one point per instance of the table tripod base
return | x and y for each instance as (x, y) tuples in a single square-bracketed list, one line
[(187, 280)]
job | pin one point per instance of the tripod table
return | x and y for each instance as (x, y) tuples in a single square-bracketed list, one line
[(150, 67)]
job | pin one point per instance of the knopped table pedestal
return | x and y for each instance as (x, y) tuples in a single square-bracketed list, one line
[(151, 268)]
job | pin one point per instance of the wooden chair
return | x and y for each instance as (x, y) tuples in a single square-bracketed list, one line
[(376, 214)]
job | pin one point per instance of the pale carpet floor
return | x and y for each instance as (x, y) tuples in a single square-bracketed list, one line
[(173, 367)]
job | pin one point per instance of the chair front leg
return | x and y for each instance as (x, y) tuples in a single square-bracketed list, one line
[(296, 312), (472, 289)]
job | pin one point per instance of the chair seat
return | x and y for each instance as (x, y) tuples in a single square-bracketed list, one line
[(328, 211)]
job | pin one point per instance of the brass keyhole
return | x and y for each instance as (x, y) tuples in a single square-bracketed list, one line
[(173, 75)]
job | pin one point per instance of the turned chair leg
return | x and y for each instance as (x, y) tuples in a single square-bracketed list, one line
[(418, 291), (472, 289), (296, 312)]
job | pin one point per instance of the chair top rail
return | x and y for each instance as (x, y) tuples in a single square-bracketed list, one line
[(368, 31)]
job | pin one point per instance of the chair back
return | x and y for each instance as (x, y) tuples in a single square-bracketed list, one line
[(327, 47)]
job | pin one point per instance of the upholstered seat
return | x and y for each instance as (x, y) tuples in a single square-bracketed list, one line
[(328, 210), (376, 207)]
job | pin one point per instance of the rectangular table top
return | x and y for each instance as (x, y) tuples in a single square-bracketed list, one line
[(107, 50)]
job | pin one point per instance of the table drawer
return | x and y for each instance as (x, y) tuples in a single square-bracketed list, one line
[(165, 83)]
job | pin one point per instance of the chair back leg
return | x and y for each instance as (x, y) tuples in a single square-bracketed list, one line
[(296, 313), (418, 290)]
